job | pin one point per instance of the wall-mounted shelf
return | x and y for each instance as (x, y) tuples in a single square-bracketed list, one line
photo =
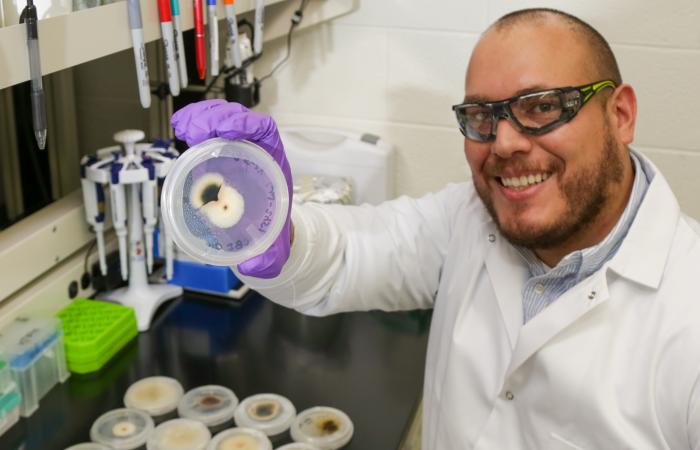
[(82, 36)]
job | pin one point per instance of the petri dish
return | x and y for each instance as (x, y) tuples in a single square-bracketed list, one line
[(212, 405), (89, 446), (297, 446), (179, 434), (323, 427), (122, 429), (224, 201), (270, 413), (240, 439), (155, 395)]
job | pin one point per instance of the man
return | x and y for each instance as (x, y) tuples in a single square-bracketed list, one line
[(561, 279)]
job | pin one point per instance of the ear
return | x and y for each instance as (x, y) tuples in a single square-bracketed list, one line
[(623, 111)]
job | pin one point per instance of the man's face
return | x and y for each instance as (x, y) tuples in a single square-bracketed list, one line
[(570, 174)]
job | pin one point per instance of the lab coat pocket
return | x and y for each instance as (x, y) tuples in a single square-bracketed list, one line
[(561, 443)]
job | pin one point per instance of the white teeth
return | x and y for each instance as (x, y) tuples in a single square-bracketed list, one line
[(524, 181)]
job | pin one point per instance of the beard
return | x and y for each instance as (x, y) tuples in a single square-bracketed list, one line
[(586, 195)]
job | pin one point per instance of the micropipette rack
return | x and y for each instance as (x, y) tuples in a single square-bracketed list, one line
[(138, 168)]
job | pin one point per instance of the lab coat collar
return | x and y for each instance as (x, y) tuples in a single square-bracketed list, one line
[(643, 253)]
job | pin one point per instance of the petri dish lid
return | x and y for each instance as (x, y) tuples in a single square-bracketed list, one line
[(324, 427), (298, 446), (154, 395), (240, 439), (89, 446), (224, 201), (212, 405), (122, 429), (270, 413), (179, 434)]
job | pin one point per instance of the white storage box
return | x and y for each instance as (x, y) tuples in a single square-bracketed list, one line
[(365, 159)]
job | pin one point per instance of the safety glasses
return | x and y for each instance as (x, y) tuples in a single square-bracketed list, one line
[(534, 113)]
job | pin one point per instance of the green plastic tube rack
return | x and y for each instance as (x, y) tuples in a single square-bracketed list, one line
[(94, 331)]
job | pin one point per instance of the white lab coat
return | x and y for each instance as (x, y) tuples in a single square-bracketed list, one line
[(614, 363)]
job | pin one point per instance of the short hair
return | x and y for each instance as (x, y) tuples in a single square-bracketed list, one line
[(604, 59)]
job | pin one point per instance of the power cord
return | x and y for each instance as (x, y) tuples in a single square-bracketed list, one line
[(296, 20), (230, 72), (86, 278)]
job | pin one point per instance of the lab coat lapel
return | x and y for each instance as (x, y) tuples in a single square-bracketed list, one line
[(508, 274), (563, 312)]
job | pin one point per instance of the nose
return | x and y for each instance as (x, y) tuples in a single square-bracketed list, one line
[(509, 140)]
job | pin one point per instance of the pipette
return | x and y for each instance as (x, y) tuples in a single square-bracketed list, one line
[(37, 89), (179, 44), (259, 21), (213, 38), (134, 10), (117, 196), (94, 200), (166, 29), (148, 201), (235, 50)]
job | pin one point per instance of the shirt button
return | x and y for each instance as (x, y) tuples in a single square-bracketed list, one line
[(539, 288), (509, 395), (492, 237)]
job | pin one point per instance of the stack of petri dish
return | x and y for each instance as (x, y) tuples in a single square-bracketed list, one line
[(271, 414), (122, 429), (240, 439), (179, 434), (297, 446), (212, 405), (157, 396), (89, 446), (323, 427)]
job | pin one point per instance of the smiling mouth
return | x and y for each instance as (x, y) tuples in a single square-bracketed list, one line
[(523, 181)]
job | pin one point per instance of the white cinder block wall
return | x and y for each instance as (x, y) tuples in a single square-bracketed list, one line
[(394, 68)]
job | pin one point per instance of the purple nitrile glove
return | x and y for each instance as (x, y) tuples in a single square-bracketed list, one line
[(204, 120)]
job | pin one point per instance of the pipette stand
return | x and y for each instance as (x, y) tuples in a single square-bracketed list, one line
[(136, 170)]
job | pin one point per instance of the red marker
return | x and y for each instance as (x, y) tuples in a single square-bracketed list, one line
[(200, 52)]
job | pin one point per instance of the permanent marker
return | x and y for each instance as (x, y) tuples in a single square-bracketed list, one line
[(134, 10), (179, 44), (233, 32), (200, 53), (259, 20), (37, 88), (166, 29), (213, 38)]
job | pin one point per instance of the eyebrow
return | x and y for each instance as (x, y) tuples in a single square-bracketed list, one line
[(482, 99)]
